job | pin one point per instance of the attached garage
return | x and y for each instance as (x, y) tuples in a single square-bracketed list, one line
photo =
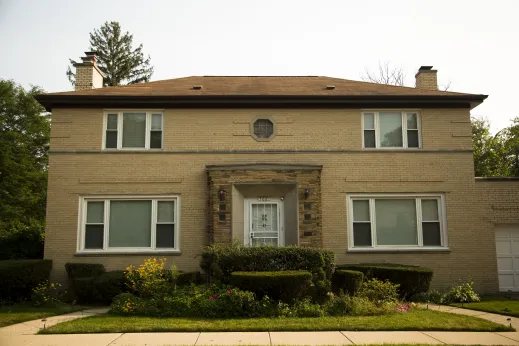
[(507, 251)]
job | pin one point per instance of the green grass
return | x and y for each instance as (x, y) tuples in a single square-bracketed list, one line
[(12, 314), (494, 304), (415, 320)]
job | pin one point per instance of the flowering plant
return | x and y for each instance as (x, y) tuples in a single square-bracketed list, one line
[(149, 279), (47, 293)]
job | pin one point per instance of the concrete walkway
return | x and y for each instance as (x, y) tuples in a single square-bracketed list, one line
[(23, 335)]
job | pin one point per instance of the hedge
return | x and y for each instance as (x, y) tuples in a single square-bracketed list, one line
[(84, 270), (218, 261), (188, 278), (99, 289), (349, 281), (278, 285), (412, 280), (19, 277)]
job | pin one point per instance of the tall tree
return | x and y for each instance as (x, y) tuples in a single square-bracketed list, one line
[(120, 62), (24, 139), (490, 151)]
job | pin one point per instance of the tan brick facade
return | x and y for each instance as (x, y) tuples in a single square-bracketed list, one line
[(331, 138)]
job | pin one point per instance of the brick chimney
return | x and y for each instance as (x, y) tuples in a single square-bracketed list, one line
[(88, 75), (427, 78)]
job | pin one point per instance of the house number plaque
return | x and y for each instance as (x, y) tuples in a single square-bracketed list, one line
[(263, 198)]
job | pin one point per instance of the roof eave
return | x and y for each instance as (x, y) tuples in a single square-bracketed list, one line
[(50, 101)]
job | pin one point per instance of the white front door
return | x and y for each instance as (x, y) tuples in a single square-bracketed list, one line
[(507, 252), (264, 222)]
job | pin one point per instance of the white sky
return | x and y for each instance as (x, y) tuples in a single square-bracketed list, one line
[(473, 44)]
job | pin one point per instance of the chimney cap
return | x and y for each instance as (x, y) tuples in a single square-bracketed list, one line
[(426, 69), (90, 53)]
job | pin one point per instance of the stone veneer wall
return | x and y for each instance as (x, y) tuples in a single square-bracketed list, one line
[(222, 178)]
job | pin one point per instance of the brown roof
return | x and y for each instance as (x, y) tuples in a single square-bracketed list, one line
[(257, 85)]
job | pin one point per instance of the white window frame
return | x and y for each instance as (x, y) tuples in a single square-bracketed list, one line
[(106, 199), (147, 138), (376, 115), (384, 248)]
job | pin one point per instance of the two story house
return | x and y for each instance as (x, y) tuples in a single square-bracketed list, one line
[(376, 173)]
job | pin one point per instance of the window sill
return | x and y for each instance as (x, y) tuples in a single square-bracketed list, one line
[(392, 149), (129, 150), (127, 253), (401, 250)]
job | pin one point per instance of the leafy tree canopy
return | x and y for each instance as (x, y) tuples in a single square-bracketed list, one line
[(121, 63)]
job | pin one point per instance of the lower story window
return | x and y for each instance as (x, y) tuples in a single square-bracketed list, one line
[(129, 224), (396, 221)]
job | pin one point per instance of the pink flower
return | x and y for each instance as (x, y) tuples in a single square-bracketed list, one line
[(211, 297), (228, 291), (216, 294)]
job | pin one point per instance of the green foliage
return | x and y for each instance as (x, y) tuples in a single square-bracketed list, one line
[(280, 285), (349, 281), (343, 305), (188, 278), (379, 292), (84, 270), (119, 61), (47, 294), (411, 280), (220, 260), (463, 293), (151, 278), (24, 139), (83, 289), (19, 277), (432, 296), (108, 285)]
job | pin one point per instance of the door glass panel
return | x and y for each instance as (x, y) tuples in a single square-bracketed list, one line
[(264, 224)]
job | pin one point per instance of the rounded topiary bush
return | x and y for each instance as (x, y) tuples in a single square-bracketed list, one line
[(349, 281), (278, 285)]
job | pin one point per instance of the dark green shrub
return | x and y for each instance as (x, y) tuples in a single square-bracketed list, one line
[(19, 277), (83, 290), (84, 270), (220, 260), (280, 285), (21, 240), (343, 305), (188, 278), (411, 279), (349, 281), (108, 285)]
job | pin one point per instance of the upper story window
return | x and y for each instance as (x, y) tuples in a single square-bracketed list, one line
[(397, 221), (133, 130), (391, 129), (262, 129), (126, 224)]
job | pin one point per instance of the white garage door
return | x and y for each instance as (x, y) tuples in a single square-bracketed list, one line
[(507, 250)]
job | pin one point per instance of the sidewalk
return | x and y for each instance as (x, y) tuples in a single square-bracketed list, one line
[(23, 335)]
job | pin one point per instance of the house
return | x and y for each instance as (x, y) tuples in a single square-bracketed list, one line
[(376, 173)]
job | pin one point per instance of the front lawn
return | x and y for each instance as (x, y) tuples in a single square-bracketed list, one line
[(12, 314), (422, 320), (494, 304)]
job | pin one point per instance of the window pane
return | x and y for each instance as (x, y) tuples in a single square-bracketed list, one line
[(396, 222), (361, 234), (412, 121), (369, 121), (412, 139), (130, 224), (156, 121), (430, 210), (94, 235), (111, 139), (95, 212), (166, 211), (369, 138), (156, 140), (111, 122), (431, 234), (165, 236), (134, 130), (361, 210), (390, 129)]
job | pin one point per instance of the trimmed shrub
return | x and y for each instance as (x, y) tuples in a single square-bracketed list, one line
[(84, 270), (463, 293), (349, 281), (83, 289), (218, 261), (108, 285), (280, 285), (19, 277), (411, 279), (379, 292), (188, 278)]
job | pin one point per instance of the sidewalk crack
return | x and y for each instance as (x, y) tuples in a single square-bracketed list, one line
[(432, 337), (504, 336), (347, 338), (114, 340), (198, 337)]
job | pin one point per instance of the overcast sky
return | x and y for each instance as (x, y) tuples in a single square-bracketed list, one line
[(473, 44)]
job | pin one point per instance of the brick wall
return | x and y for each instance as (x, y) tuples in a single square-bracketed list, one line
[(331, 138)]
